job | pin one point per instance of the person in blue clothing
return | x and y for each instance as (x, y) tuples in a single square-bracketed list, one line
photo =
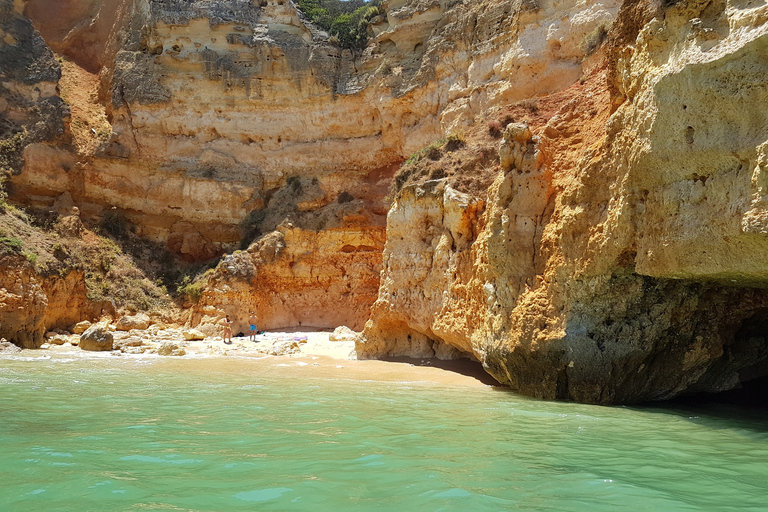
[(253, 329)]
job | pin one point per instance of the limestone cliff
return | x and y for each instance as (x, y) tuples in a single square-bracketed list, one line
[(620, 256), (218, 109), (610, 249)]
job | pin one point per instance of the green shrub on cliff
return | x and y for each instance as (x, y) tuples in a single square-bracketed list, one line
[(10, 151), (346, 21), (192, 290)]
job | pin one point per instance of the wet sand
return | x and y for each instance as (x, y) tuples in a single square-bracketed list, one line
[(318, 358)]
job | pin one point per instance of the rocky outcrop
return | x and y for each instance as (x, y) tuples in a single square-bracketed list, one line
[(624, 262), (290, 275), (97, 338), (22, 303)]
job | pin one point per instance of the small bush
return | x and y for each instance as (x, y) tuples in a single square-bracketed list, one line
[(592, 41), (13, 244), (345, 197), (10, 152), (433, 152), (250, 227), (495, 129), (31, 257), (114, 223), (455, 141), (192, 290), (295, 183), (345, 20)]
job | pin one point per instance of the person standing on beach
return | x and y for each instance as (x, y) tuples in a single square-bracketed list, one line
[(253, 329), (227, 331)]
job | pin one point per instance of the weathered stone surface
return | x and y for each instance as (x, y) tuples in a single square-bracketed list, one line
[(170, 348), (58, 339), (81, 327), (624, 263), (97, 337), (294, 271), (192, 335), (139, 321), (131, 341), (343, 333), (281, 125), (22, 303), (284, 348)]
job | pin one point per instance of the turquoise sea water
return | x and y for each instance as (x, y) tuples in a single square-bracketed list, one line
[(125, 435)]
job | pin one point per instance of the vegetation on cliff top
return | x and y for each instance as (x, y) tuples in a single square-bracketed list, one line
[(346, 21)]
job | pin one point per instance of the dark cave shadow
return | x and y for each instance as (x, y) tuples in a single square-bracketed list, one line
[(464, 367), (746, 407)]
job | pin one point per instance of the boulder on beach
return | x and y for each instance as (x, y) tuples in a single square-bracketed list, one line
[(58, 339), (343, 333), (81, 327), (138, 321), (8, 347), (170, 348), (192, 335), (96, 337), (285, 348)]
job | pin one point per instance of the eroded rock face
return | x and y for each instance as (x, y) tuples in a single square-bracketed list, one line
[(295, 276), (626, 262), (22, 304), (29, 102), (219, 108)]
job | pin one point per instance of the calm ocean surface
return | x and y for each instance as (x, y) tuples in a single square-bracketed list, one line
[(112, 434)]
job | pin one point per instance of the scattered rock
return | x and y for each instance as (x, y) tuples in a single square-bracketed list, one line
[(96, 337), (8, 347), (50, 334), (343, 333), (132, 341), (58, 340), (285, 348), (192, 335), (81, 327), (139, 321), (134, 350), (170, 348)]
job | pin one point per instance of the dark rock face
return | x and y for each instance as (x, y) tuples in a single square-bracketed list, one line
[(180, 12), (30, 72), (634, 339), (96, 338), (136, 80)]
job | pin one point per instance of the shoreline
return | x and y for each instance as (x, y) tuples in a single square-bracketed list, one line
[(309, 354)]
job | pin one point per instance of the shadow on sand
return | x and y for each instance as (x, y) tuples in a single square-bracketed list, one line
[(464, 367)]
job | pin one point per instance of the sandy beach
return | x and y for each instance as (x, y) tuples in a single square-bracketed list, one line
[(310, 354)]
